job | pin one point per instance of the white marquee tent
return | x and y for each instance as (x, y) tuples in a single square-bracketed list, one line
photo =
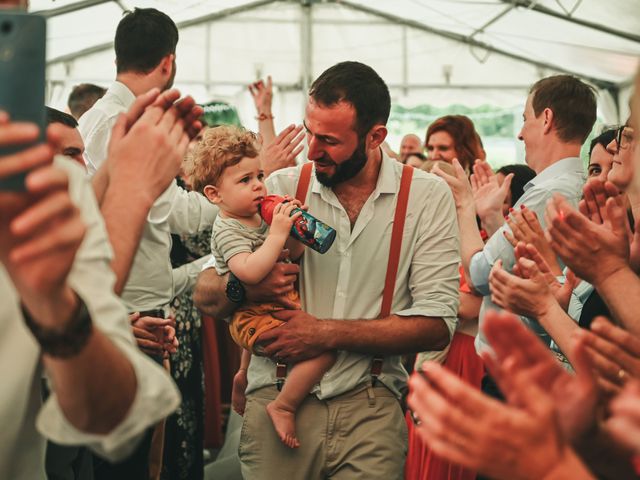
[(435, 52)]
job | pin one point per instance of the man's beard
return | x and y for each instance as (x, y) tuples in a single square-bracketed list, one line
[(347, 169)]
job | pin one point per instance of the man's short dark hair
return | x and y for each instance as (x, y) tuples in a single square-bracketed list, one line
[(359, 85), (82, 98), (573, 103), (143, 38), (56, 116)]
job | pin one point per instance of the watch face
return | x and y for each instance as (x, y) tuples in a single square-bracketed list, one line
[(234, 291)]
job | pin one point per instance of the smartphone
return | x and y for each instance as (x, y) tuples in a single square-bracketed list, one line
[(22, 72)]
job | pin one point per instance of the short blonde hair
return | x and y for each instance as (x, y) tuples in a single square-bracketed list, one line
[(221, 147)]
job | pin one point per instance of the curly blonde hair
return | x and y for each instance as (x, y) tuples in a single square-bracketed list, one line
[(221, 147)]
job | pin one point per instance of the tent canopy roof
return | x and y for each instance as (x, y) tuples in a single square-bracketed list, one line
[(477, 49)]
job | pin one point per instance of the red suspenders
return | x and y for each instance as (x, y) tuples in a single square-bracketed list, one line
[(394, 253)]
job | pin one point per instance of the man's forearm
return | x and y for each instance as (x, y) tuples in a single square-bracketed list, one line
[(100, 183), (620, 292), (125, 215), (470, 238), (95, 388), (210, 297), (393, 335)]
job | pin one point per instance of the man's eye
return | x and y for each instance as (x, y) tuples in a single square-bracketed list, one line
[(244, 179), (260, 176)]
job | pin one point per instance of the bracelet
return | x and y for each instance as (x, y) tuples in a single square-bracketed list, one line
[(64, 342), (264, 116)]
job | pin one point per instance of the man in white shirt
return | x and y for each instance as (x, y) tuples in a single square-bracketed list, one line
[(145, 45), (351, 427), (59, 312), (558, 116)]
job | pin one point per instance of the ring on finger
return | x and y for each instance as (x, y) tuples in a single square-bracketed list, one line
[(622, 375)]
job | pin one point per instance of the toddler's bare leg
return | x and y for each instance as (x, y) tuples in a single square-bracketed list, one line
[(297, 386)]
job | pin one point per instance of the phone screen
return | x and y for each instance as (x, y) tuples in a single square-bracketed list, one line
[(22, 78)]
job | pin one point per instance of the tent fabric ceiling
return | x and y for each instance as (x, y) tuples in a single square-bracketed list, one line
[(428, 51)]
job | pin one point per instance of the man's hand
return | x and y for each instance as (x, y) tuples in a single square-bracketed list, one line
[(298, 339), (154, 335), (276, 286), (40, 229), (592, 251), (283, 150)]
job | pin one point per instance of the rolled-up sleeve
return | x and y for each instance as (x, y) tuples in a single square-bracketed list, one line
[(434, 277), (92, 279)]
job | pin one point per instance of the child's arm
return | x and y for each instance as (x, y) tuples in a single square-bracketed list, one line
[(251, 268)]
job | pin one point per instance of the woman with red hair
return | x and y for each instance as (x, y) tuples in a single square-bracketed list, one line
[(454, 136)]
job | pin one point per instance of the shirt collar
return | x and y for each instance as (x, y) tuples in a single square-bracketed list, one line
[(561, 167), (122, 93), (387, 177)]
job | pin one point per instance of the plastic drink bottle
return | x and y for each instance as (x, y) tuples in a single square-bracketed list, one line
[(307, 228)]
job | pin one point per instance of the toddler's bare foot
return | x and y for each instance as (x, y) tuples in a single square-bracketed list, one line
[(284, 422)]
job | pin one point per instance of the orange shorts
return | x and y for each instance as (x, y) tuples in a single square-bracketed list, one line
[(250, 321)]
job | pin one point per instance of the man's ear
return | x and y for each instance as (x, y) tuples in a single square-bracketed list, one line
[(376, 136), (166, 64), (213, 194), (549, 119)]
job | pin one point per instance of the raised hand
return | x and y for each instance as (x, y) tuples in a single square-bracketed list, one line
[(575, 396), (282, 152), (40, 228), (488, 195), (518, 440), (614, 353), (624, 423), (459, 185), (262, 94), (154, 119), (525, 227), (592, 251)]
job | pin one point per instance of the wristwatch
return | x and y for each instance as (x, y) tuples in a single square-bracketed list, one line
[(235, 290), (64, 342)]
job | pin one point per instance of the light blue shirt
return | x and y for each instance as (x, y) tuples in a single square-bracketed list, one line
[(565, 177)]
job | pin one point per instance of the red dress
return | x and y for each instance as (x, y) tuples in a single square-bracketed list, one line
[(423, 464)]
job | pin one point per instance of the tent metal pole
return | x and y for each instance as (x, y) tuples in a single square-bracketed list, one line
[(469, 41), (537, 7), (187, 23), (306, 43), (73, 7)]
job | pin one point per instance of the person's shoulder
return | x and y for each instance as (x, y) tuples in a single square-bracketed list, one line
[(286, 174), (427, 183)]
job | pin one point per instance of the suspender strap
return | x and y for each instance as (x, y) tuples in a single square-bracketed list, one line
[(394, 258), (303, 182), (301, 194), (281, 375)]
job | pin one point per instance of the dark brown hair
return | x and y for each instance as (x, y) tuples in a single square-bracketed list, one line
[(572, 102)]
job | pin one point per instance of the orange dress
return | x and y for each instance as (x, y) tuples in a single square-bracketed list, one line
[(422, 463)]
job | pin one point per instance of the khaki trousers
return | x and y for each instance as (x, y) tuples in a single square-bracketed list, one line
[(358, 435)]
